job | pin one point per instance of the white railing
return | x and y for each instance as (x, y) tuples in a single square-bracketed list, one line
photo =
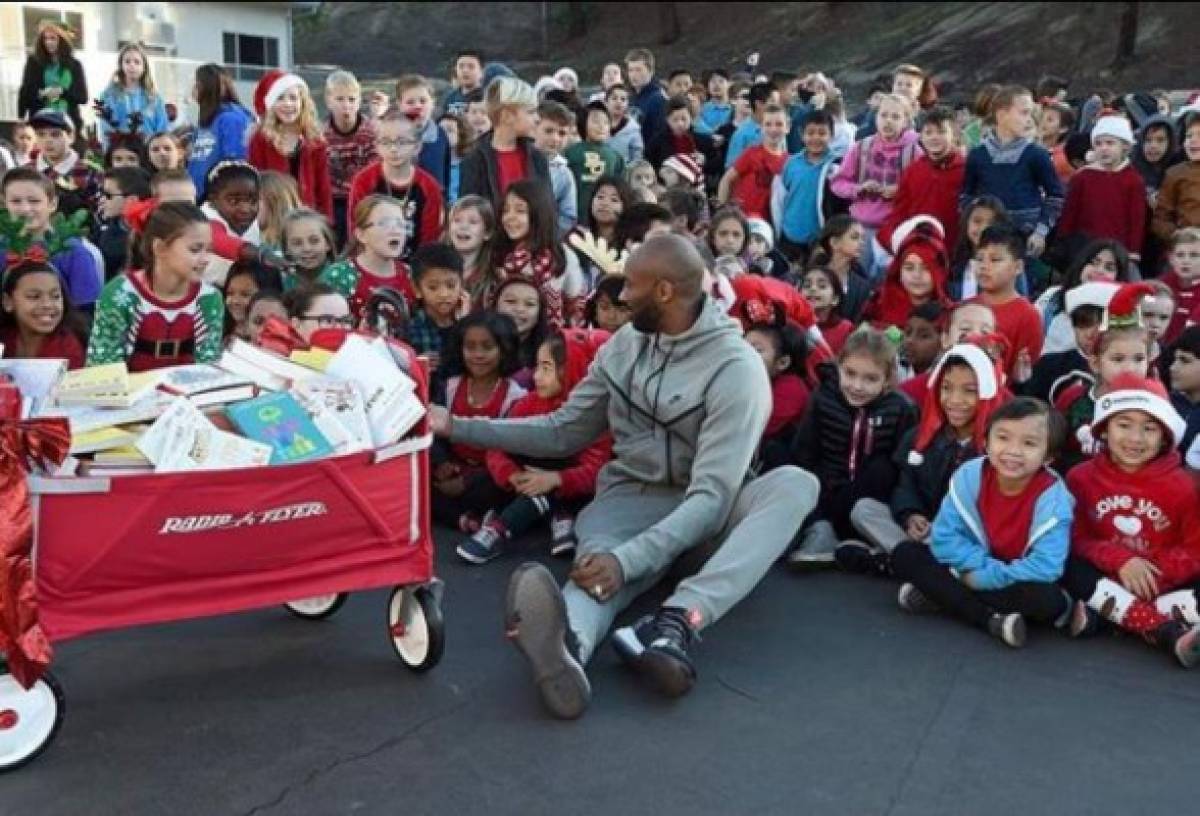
[(174, 77)]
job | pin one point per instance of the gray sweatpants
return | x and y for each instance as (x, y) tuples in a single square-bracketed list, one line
[(874, 522), (766, 515)]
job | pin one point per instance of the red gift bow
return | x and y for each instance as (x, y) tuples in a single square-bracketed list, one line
[(280, 337), (34, 254), (22, 445)]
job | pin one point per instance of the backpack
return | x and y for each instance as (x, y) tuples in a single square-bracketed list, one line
[(907, 154)]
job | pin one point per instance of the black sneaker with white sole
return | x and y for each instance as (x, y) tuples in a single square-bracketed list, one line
[(535, 620), (657, 646), (913, 600), (1009, 628), (485, 545)]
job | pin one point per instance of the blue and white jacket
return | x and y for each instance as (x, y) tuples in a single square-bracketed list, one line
[(960, 542)]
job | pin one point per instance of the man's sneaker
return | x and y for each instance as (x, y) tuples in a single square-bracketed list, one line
[(911, 599), (657, 647), (486, 545), (535, 620), (1008, 628), (816, 549), (562, 535), (1085, 621), (859, 558), (1179, 639)]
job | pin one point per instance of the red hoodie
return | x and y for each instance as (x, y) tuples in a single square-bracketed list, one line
[(311, 171), (1152, 515), (580, 479), (1106, 204), (891, 305), (927, 188)]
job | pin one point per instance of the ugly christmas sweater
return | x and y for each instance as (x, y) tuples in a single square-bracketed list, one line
[(136, 326)]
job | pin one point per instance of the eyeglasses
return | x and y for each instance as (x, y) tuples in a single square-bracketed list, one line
[(387, 223), (392, 144), (107, 195), (331, 321)]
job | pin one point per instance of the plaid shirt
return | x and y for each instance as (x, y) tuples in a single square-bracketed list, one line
[(425, 336)]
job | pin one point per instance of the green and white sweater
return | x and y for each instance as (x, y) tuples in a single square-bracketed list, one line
[(135, 326)]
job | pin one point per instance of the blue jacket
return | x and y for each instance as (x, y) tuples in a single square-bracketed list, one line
[(796, 115), (434, 158), (651, 102), (122, 104), (226, 137), (959, 540), (748, 134), (798, 197)]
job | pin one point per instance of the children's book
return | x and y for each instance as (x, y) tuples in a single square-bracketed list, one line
[(342, 401), (137, 387), (100, 440), (389, 394), (189, 380), (183, 439), (112, 378), (279, 421)]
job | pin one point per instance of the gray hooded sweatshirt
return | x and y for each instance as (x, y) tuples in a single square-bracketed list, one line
[(686, 413)]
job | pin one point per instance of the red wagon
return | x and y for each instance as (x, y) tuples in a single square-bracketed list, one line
[(118, 552)]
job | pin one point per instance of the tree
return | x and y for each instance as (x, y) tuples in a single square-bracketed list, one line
[(1127, 37), (668, 23)]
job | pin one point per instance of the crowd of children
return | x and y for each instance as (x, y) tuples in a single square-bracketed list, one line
[(978, 336)]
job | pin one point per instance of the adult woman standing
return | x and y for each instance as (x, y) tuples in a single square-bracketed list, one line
[(222, 128), (132, 91), (53, 77)]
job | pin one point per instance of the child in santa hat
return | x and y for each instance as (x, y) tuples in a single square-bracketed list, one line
[(289, 140), (916, 275), (966, 387), (1123, 347), (1107, 199), (1135, 543), (1084, 305)]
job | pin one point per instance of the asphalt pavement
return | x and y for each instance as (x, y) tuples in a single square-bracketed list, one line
[(816, 695)]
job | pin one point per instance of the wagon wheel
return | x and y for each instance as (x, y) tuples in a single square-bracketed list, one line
[(317, 607), (29, 720), (415, 627)]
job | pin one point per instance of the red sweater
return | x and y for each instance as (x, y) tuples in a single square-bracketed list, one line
[(312, 169), (789, 398), (1106, 204), (927, 188), (578, 480), (1151, 514), (62, 345), (1021, 325), (757, 168), (423, 196), (1187, 303)]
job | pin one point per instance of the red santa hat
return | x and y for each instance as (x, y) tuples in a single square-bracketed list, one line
[(989, 375), (925, 225), (274, 84), (687, 167), (1129, 392), (1125, 308)]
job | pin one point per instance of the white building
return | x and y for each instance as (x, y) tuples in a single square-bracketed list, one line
[(247, 38)]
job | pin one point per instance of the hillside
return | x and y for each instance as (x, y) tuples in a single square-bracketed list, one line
[(965, 44)]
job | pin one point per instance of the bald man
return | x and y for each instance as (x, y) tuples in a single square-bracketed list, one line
[(686, 400)]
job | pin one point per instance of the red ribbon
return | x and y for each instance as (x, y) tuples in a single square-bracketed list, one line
[(137, 212), (280, 337), (23, 444)]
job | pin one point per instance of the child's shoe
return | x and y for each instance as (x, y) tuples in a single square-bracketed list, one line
[(487, 543), (1180, 640), (859, 558), (1085, 621), (816, 548), (913, 600), (562, 535), (1008, 628)]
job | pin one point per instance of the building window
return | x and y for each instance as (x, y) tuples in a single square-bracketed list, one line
[(249, 57), (71, 20)]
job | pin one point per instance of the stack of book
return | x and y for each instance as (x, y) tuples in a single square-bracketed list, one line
[(253, 408)]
